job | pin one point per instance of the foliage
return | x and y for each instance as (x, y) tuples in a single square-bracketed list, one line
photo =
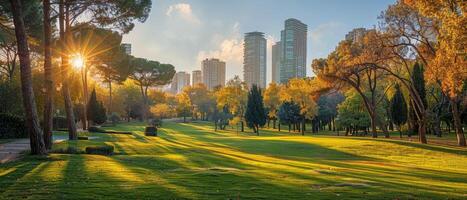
[(255, 114), (352, 112), (289, 113), (106, 150), (272, 99), (398, 108), (12, 126), (161, 111), (96, 111)]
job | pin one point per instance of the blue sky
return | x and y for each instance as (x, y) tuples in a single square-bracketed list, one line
[(183, 33)]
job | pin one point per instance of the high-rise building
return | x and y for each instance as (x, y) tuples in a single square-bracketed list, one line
[(254, 59), (127, 48), (276, 61), (293, 39), (196, 77), (179, 81), (213, 73), (356, 34)]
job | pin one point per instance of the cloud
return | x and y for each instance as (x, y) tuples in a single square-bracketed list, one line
[(230, 50), (183, 11)]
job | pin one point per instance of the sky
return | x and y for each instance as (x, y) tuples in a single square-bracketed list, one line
[(183, 33)]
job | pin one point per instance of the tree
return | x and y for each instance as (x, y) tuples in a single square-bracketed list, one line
[(398, 109), (148, 73), (95, 110), (418, 81), (183, 105), (201, 99), (446, 63), (234, 96), (48, 76), (351, 114), (161, 111), (272, 101), (32, 119), (289, 112), (255, 114)]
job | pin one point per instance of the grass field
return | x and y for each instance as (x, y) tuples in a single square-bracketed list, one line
[(191, 161)]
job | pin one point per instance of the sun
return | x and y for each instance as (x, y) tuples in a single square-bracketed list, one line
[(77, 61)]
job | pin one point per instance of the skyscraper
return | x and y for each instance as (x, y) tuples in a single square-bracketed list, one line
[(356, 34), (179, 81), (213, 72), (196, 77), (127, 48), (293, 39), (254, 59), (276, 61)]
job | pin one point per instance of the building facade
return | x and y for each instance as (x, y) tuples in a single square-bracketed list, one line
[(179, 81), (196, 77), (276, 61), (213, 73), (254, 59), (356, 34), (127, 48), (294, 50)]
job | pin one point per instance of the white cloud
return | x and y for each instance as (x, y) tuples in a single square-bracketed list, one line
[(184, 11), (230, 50)]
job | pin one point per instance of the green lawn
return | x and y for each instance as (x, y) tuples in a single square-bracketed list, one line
[(191, 161)]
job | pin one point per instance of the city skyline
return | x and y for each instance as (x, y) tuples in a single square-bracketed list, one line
[(211, 29)]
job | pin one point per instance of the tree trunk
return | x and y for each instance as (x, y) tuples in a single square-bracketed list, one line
[(279, 126), (422, 128), (48, 77), (274, 123), (64, 36), (243, 126), (86, 99), (457, 123), (110, 97), (257, 130), (32, 119), (303, 126), (374, 134)]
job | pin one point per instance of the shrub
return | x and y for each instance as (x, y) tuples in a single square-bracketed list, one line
[(68, 150), (60, 123), (114, 118), (83, 138), (100, 150), (12, 126), (96, 129)]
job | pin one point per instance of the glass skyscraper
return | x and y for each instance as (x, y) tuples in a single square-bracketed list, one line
[(254, 59), (293, 55)]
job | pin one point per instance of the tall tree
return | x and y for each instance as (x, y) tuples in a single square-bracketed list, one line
[(418, 80), (32, 119), (48, 76), (148, 73), (272, 101), (398, 109), (255, 114), (234, 96)]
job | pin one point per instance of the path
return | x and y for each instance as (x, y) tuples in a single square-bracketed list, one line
[(10, 151)]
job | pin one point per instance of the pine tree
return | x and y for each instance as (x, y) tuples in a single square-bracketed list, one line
[(255, 114), (398, 109), (96, 110), (418, 80)]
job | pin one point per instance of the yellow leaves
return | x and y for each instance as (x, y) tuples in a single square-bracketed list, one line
[(304, 92), (234, 96), (161, 110)]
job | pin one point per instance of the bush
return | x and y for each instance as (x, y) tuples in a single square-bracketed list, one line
[(68, 150), (100, 150), (114, 118), (95, 129), (60, 123), (83, 138), (12, 126)]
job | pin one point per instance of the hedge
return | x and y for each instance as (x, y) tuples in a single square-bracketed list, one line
[(100, 150), (12, 126)]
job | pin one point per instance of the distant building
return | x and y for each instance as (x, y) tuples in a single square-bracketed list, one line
[(356, 34), (213, 73), (196, 77), (127, 48), (179, 81), (276, 61), (293, 40), (254, 59)]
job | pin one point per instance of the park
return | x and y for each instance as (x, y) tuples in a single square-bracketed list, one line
[(192, 161), (305, 99)]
